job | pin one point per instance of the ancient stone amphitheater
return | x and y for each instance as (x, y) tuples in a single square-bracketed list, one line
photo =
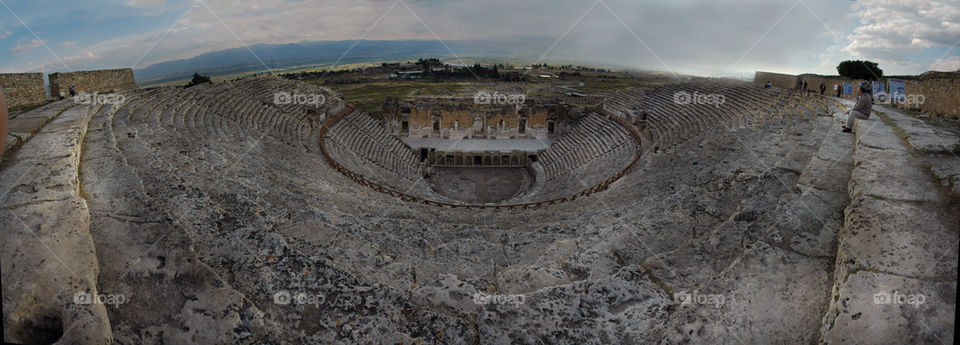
[(211, 215)]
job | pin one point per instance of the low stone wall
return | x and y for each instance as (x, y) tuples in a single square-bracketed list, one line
[(108, 80), (23, 88), (814, 80), (784, 81), (937, 93), (940, 94)]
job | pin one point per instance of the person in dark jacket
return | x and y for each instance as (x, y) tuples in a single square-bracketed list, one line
[(823, 88), (862, 109)]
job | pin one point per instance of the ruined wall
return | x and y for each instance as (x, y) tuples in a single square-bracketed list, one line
[(785, 81), (936, 93), (464, 119), (23, 88), (108, 80), (814, 80), (940, 92)]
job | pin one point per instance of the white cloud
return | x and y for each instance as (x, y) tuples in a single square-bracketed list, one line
[(948, 64), (146, 3), (5, 34), (689, 36), (897, 30), (25, 47)]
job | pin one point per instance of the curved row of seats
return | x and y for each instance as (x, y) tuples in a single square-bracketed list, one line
[(362, 145), (240, 108), (671, 113), (624, 102), (594, 138)]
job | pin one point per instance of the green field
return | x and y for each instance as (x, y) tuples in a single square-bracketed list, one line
[(369, 90)]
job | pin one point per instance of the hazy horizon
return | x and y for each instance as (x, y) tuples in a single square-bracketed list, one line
[(685, 37)]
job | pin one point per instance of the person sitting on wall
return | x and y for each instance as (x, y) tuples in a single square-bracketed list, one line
[(861, 110)]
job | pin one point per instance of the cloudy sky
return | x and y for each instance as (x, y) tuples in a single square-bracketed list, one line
[(726, 37)]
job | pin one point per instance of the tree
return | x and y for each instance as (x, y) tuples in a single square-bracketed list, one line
[(860, 69), (197, 80)]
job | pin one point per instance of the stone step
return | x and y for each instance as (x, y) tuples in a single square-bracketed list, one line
[(136, 239), (22, 127), (896, 265), (49, 259)]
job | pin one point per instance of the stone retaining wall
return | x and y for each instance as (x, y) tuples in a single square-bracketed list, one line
[(937, 93), (784, 81), (108, 80), (940, 91), (23, 88), (813, 83)]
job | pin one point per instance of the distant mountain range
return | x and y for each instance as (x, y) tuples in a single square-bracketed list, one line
[(279, 56)]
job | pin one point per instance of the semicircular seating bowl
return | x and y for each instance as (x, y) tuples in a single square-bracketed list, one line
[(594, 150), (211, 200)]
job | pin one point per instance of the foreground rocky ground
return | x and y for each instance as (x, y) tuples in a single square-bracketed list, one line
[(191, 225)]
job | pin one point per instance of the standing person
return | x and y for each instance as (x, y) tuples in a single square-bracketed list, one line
[(3, 121), (823, 88), (836, 87), (73, 90), (804, 91), (861, 110)]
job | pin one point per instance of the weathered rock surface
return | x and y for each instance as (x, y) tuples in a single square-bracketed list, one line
[(210, 212), (898, 247), (49, 258)]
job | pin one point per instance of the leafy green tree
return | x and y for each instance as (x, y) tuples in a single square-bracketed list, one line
[(860, 69)]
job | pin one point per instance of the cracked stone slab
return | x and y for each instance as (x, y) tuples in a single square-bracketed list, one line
[(830, 167), (27, 125), (618, 310), (48, 260), (809, 223), (922, 136), (948, 173), (45, 168), (891, 174), (873, 133), (897, 237), (783, 291), (877, 308)]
